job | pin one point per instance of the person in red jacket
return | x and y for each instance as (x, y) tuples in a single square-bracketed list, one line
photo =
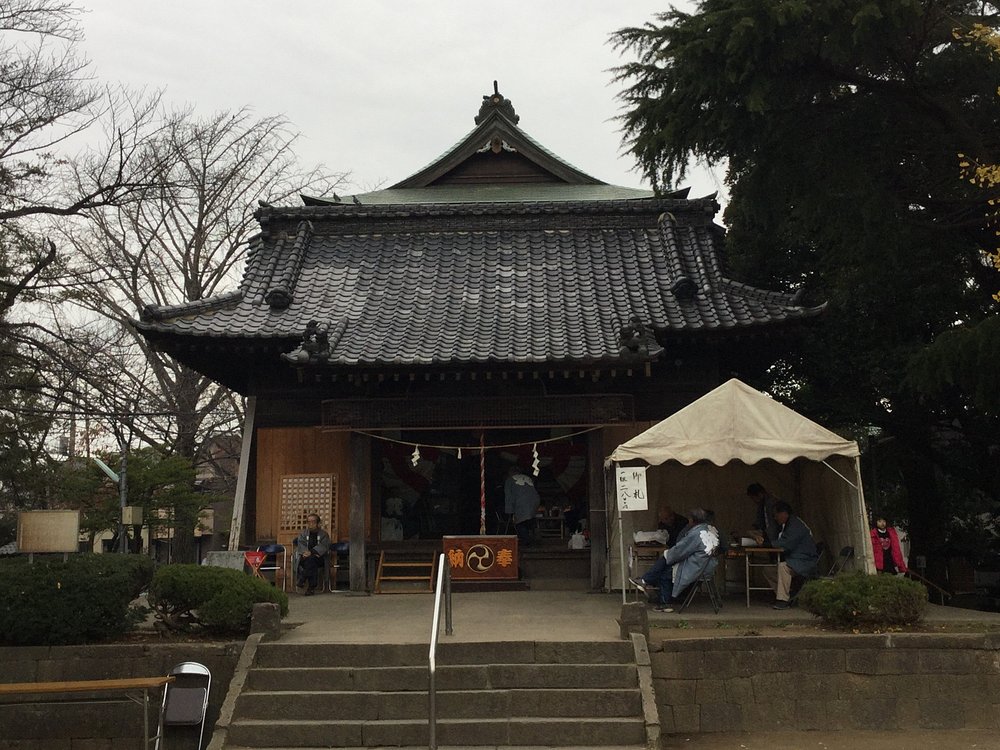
[(885, 545)]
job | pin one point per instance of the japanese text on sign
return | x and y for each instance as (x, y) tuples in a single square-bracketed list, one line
[(631, 488)]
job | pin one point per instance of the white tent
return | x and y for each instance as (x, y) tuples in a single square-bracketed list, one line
[(709, 451)]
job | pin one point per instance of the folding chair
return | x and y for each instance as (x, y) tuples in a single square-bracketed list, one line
[(503, 523), (185, 701), (706, 583), (275, 562), (845, 556), (820, 551)]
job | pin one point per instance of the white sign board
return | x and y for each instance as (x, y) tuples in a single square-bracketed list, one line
[(48, 531), (631, 488)]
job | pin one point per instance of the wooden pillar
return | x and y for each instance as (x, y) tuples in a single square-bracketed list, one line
[(597, 502), (360, 471), (239, 501)]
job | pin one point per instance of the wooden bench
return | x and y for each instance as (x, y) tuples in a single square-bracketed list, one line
[(125, 686)]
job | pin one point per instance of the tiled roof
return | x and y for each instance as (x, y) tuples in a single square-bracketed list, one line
[(423, 284)]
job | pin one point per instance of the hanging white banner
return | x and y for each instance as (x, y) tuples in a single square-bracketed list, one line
[(631, 488)]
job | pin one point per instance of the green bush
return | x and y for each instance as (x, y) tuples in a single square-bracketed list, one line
[(88, 598), (217, 600), (858, 600)]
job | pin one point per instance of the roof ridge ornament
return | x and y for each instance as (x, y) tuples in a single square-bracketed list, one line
[(638, 340), (496, 102)]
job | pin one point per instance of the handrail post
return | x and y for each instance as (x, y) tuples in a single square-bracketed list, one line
[(448, 629), (443, 586)]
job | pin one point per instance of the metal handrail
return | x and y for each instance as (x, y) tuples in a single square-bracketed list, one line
[(443, 586), (942, 592)]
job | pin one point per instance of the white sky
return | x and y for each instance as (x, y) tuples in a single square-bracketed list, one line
[(382, 88)]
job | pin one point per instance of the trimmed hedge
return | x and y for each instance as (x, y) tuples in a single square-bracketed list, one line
[(216, 600), (86, 599), (859, 600)]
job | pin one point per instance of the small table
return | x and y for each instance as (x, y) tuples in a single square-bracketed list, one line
[(126, 686), (649, 552), (749, 552)]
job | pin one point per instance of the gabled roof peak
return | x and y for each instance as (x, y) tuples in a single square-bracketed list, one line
[(496, 152), (496, 103)]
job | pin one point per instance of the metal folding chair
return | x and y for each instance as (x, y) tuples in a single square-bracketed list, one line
[(845, 556), (185, 701), (274, 562), (705, 583), (503, 523)]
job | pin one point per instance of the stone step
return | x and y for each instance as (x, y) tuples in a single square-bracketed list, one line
[(457, 677), (476, 732), (415, 654), (559, 584), (451, 704)]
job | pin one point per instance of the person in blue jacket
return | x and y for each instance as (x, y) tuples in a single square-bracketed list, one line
[(799, 556), (693, 557)]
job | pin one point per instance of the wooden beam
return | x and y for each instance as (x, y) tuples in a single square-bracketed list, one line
[(239, 501), (360, 470)]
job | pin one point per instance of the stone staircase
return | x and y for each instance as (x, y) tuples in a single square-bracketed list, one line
[(494, 694)]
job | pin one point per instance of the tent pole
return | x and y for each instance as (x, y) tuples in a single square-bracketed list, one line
[(841, 475), (621, 552), (869, 555)]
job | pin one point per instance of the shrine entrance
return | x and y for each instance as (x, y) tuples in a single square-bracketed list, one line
[(429, 484)]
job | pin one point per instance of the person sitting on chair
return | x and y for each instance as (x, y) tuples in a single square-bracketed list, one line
[(670, 522), (790, 533), (683, 564), (312, 546)]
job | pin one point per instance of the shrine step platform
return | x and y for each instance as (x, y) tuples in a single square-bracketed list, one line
[(493, 694)]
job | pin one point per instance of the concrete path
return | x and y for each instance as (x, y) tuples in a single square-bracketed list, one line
[(534, 616)]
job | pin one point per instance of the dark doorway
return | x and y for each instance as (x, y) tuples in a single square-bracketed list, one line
[(440, 495)]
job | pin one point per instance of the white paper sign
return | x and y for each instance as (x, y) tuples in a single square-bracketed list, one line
[(631, 488)]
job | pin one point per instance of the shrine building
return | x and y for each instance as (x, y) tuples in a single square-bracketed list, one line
[(401, 349)]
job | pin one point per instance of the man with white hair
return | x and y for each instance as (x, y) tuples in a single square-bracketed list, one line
[(692, 558)]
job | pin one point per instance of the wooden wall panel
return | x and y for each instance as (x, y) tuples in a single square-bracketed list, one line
[(303, 450)]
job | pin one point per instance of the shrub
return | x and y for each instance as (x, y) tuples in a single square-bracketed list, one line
[(217, 600), (858, 600), (88, 598)]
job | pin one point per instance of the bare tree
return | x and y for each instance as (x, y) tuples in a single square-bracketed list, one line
[(185, 241), (49, 103)]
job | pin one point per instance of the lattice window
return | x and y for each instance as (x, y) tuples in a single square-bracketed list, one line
[(302, 494)]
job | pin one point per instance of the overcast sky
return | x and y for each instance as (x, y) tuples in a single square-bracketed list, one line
[(382, 88)]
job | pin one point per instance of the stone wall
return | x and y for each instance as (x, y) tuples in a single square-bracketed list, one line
[(828, 682), (103, 726)]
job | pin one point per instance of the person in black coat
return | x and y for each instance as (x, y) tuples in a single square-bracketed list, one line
[(311, 547)]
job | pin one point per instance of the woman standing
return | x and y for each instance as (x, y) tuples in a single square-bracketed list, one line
[(885, 545)]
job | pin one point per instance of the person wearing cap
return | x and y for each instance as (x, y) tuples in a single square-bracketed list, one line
[(799, 554)]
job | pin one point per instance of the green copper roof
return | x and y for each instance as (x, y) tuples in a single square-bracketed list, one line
[(488, 194)]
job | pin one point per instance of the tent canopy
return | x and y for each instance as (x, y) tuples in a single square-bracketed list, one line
[(734, 422)]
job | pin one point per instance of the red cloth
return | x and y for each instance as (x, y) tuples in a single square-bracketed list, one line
[(894, 550)]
